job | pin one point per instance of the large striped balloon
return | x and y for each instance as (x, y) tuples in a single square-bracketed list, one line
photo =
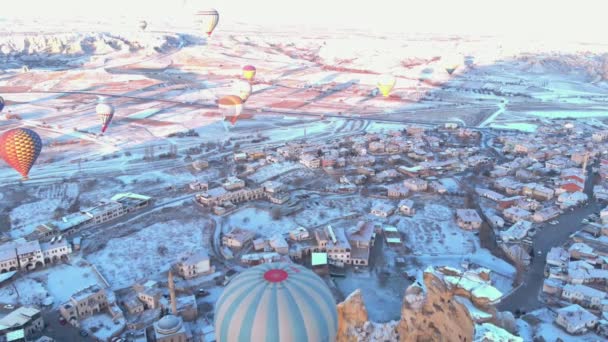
[(276, 302), (20, 148), (208, 19)]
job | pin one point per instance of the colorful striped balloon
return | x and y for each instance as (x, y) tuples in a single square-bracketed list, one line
[(105, 112), (20, 148), (249, 72), (276, 302)]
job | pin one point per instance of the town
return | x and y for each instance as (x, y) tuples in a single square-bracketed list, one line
[(368, 207)]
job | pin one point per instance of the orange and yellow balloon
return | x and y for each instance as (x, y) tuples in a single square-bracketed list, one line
[(20, 148), (386, 83), (231, 107), (249, 72)]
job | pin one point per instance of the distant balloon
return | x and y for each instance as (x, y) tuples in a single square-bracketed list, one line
[(242, 89), (142, 25), (249, 72), (230, 106), (20, 148), (426, 74), (450, 69), (386, 83), (469, 60), (105, 112), (1, 103), (276, 302), (208, 19)]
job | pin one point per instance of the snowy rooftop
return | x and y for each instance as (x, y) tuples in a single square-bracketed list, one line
[(558, 254), (489, 332), (120, 196), (585, 290), (18, 317), (468, 215), (517, 231), (195, 258), (7, 251), (576, 315), (362, 232), (28, 247)]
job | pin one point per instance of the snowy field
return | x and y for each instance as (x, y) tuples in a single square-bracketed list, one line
[(148, 252), (273, 170), (56, 281), (259, 221), (433, 230)]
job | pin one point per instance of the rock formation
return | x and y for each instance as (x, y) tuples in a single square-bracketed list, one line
[(429, 313)]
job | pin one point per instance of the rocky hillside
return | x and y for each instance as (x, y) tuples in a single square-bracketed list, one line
[(430, 312), (32, 49)]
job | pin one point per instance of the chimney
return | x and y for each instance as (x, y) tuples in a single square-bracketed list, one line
[(172, 294)]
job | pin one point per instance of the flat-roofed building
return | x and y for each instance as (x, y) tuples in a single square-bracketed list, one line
[(468, 219), (194, 265), (27, 319), (237, 238)]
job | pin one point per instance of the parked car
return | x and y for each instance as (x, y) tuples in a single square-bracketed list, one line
[(202, 293), (84, 333)]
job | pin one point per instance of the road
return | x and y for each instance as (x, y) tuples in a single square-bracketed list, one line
[(61, 332), (526, 297)]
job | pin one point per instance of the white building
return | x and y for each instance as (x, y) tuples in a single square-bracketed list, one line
[(56, 250), (278, 243), (468, 219), (516, 232), (575, 320), (515, 214), (557, 256), (310, 161), (233, 183), (584, 295), (29, 254), (416, 184), (237, 238), (406, 207), (194, 265), (397, 191), (106, 211), (24, 318), (546, 214), (299, 234), (8, 258), (383, 210)]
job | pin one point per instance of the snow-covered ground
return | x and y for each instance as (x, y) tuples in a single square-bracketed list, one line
[(102, 326), (148, 252)]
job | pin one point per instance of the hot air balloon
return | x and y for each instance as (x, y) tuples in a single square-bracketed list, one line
[(105, 112), (243, 89), (20, 148), (450, 69), (249, 72), (426, 74), (230, 106), (386, 84), (208, 19), (142, 25), (276, 302), (1, 103)]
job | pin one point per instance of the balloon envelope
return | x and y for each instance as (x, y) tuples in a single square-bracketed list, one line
[(230, 106), (243, 89), (1, 103), (386, 83), (143, 24), (276, 302), (105, 112), (20, 148), (249, 72), (208, 20)]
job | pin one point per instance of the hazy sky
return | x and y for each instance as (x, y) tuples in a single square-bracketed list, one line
[(571, 20)]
